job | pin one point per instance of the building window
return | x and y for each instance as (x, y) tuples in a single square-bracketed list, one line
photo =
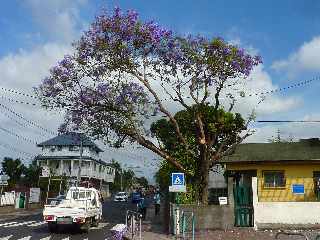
[(274, 179), (52, 148), (59, 148)]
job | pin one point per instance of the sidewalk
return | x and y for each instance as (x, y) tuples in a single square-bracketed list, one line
[(153, 226), (19, 213)]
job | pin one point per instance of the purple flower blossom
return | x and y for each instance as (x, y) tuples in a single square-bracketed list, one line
[(119, 45)]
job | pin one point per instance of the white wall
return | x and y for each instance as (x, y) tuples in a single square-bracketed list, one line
[(283, 212), (87, 170)]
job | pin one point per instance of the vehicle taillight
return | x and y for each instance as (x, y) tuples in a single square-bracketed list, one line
[(48, 217), (80, 220)]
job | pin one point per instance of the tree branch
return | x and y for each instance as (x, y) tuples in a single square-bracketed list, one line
[(163, 110), (148, 144), (202, 139), (206, 93)]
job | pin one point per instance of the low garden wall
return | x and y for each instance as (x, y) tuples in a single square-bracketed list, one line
[(276, 215), (208, 217)]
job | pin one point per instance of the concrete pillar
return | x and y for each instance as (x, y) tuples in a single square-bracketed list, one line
[(72, 169), (91, 170), (230, 192), (61, 168)]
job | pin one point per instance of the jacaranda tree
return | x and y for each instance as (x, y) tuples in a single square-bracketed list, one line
[(125, 71)]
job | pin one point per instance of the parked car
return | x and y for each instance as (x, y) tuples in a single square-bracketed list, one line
[(135, 197), (121, 197), (57, 200)]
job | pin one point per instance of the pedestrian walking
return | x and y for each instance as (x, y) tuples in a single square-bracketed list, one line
[(142, 208), (157, 200)]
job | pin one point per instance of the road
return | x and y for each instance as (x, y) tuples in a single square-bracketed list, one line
[(34, 228)]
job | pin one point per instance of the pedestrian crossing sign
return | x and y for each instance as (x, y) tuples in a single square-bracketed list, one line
[(177, 179)]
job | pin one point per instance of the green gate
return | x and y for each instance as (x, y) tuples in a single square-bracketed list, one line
[(243, 208)]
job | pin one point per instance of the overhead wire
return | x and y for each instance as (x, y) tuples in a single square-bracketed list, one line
[(17, 135), (23, 125), (27, 120), (15, 149), (18, 92), (298, 84)]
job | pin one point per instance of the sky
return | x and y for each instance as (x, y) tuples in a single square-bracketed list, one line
[(35, 34)]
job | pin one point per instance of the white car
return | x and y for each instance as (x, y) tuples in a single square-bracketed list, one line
[(121, 197)]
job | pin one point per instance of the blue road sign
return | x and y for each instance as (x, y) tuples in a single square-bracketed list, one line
[(297, 188), (177, 179)]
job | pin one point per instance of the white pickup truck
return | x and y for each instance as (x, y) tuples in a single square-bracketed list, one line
[(82, 207)]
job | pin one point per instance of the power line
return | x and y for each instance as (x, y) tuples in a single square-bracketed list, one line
[(21, 124), (5, 145), (288, 121), (20, 102), (27, 120), (299, 84), (17, 135), (18, 92)]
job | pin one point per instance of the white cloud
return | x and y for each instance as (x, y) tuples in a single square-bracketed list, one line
[(59, 19), (287, 130), (25, 69), (260, 81), (306, 58), (22, 72)]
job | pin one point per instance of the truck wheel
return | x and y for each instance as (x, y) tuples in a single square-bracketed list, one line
[(95, 222), (86, 226), (53, 227)]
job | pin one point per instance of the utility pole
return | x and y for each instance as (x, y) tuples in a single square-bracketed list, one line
[(80, 161), (121, 180)]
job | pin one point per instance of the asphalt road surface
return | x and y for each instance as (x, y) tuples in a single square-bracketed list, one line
[(34, 228)]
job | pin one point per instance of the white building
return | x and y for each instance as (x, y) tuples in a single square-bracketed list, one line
[(61, 155)]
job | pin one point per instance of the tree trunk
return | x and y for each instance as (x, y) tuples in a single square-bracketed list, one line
[(203, 177)]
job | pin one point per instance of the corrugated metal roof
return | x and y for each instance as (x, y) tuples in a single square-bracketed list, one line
[(306, 149), (70, 139)]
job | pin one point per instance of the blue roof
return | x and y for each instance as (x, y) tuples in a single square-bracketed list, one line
[(70, 139)]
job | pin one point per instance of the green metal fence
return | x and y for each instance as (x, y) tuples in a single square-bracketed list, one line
[(188, 225), (243, 206)]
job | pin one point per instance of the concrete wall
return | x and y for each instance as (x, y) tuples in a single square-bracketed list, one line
[(284, 214), (211, 216)]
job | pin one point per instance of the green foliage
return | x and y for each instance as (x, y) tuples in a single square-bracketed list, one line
[(220, 127), (142, 181), (12, 168), (128, 177), (32, 173)]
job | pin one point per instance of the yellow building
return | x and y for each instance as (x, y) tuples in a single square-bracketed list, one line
[(282, 178)]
